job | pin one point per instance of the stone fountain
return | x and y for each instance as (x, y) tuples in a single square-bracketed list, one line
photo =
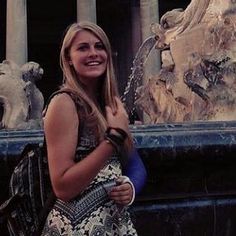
[(188, 141), (197, 77)]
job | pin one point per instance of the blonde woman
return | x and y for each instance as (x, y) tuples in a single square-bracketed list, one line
[(86, 127)]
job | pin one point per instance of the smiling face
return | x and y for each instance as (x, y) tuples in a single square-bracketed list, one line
[(88, 56)]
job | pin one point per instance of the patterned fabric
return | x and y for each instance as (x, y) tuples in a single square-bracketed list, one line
[(92, 213)]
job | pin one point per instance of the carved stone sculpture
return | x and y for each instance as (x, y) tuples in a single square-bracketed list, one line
[(21, 102), (197, 80)]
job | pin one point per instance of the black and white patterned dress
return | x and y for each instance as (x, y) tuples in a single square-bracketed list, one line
[(92, 213)]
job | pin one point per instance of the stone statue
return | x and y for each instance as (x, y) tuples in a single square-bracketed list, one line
[(197, 80), (21, 102)]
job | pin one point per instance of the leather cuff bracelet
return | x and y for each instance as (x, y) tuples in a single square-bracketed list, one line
[(117, 140)]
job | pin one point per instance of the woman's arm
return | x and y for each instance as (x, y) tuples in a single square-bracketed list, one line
[(134, 170), (61, 131)]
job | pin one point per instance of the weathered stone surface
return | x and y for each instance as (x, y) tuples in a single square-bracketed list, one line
[(20, 99), (202, 42)]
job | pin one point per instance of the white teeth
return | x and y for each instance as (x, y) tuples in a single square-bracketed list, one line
[(94, 63)]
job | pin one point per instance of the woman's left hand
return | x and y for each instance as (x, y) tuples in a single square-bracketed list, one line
[(122, 193)]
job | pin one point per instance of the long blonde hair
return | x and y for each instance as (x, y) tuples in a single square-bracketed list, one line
[(109, 87)]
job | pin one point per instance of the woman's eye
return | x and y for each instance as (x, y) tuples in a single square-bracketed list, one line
[(83, 48), (99, 46)]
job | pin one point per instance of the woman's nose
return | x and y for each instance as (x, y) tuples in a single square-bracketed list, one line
[(93, 51)]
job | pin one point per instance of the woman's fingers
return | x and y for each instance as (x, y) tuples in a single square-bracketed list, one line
[(119, 119), (121, 107), (122, 194)]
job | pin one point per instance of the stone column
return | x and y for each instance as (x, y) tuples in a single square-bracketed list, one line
[(86, 10), (136, 28), (149, 13), (16, 33)]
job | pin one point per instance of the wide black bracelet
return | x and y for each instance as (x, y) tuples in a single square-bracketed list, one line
[(117, 140), (120, 131), (108, 140)]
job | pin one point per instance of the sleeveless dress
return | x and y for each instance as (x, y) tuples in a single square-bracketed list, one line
[(91, 213)]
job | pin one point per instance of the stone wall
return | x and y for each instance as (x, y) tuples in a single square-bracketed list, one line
[(191, 185)]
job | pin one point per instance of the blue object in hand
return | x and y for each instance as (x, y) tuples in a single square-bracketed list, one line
[(136, 171)]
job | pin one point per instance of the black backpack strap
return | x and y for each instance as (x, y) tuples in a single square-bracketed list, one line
[(45, 211), (9, 205)]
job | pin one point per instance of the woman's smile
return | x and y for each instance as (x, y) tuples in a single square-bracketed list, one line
[(93, 63)]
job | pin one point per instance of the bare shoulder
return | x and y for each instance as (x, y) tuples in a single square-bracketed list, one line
[(61, 103), (61, 111)]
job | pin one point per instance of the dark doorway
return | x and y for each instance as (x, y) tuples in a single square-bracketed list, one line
[(47, 21), (2, 29), (115, 18)]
